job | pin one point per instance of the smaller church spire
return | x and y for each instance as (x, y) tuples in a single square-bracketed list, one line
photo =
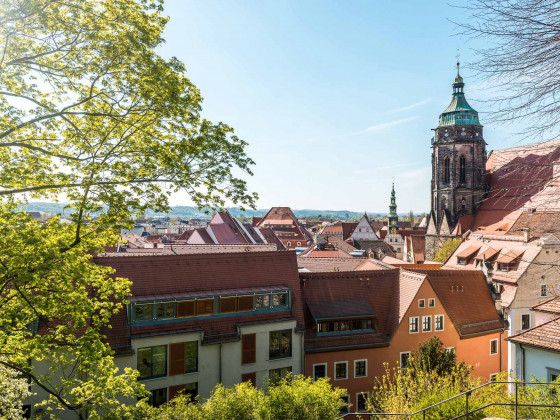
[(393, 216)]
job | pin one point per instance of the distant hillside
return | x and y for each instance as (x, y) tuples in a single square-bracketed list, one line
[(189, 212)]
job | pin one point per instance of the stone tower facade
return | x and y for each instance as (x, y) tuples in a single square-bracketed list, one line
[(458, 168)]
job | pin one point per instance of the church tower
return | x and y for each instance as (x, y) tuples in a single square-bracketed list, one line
[(393, 217), (458, 166)]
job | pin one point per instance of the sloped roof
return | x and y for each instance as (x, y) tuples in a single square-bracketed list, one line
[(322, 265), (468, 252), (510, 255), (551, 306), (545, 336), (349, 308), (466, 298)]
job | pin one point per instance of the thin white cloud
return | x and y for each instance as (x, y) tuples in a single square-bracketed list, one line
[(416, 174), (408, 107), (388, 124)]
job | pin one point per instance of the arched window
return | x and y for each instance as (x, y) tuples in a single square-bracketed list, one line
[(463, 204), (446, 170), (462, 170)]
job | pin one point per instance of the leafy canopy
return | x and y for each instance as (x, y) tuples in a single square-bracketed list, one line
[(90, 113)]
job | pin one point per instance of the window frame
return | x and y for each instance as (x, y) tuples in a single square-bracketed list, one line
[(541, 290), (521, 321), (366, 368), (430, 321), (279, 348), (442, 322), (408, 353), (494, 340), (365, 396), (152, 376), (326, 369), (422, 303), (345, 363), (430, 301), (417, 318)]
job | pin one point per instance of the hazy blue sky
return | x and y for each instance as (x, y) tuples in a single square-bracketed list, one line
[(335, 97)]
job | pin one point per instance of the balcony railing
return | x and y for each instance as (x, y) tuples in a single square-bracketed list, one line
[(468, 412)]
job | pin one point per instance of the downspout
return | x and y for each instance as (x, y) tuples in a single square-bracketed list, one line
[(501, 332), (220, 366), (522, 362), (302, 353)]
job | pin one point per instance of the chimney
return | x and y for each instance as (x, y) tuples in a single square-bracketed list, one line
[(526, 234)]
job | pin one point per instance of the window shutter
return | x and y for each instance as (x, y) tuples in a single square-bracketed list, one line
[(185, 308), (175, 390), (249, 377), (205, 306), (249, 348), (246, 303), (228, 304), (176, 359)]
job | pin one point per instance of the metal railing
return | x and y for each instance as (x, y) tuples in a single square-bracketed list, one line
[(468, 411)]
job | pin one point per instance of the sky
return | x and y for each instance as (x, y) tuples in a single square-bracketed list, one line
[(335, 98)]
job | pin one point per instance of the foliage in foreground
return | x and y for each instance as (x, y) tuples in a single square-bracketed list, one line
[(13, 390), (446, 249), (290, 398)]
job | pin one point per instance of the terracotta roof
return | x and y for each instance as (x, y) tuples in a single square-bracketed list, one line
[(510, 256), (468, 252), (418, 244), (391, 260), (327, 254), (551, 306), (349, 308), (348, 229), (488, 254), (466, 298), (325, 265), (545, 336), (203, 273), (371, 264), (540, 223)]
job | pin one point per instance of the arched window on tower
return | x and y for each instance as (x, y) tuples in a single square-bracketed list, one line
[(462, 170), (446, 170)]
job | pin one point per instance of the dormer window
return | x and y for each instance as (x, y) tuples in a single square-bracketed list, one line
[(355, 325)]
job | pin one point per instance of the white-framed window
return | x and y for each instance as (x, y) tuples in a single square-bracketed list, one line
[(494, 346), (413, 326), (493, 377), (345, 408), (431, 303), (361, 398), (426, 323), (340, 370), (403, 358), (288, 243), (319, 370), (450, 350), (438, 322), (421, 303), (552, 374), (544, 290), (525, 321), (298, 243), (360, 368)]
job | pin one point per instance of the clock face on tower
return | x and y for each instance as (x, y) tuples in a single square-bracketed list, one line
[(393, 222), (393, 230)]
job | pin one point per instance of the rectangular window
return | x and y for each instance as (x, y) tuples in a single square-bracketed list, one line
[(361, 399), (346, 400), (341, 370), (432, 303), (152, 362), (191, 357), (360, 368), (494, 346), (249, 377), (280, 344), (158, 397), (525, 321), (413, 324), (450, 350), (275, 375), (279, 300), (461, 261), (228, 304), (493, 377), (190, 389), (245, 303), (552, 375), (205, 306), (248, 348), (262, 301), (427, 323), (404, 359), (320, 371), (544, 290), (421, 303), (143, 312), (166, 310), (438, 320), (186, 309)]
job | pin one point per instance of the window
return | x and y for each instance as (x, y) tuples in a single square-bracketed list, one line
[(404, 356), (361, 399), (525, 321), (544, 290), (494, 346), (427, 323), (298, 244), (190, 390), (421, 303), (143, 312), (450, 350), (341, 370), (280, 344), (183, 358), (275, 375), (413, 324), (165, 310), (288, 244), (360, 368), (158, 397), (432, 303), (552, 374), (320, 371), (262, 301), (438, 321), (279, 299), (152, 362), (446, 171), (346, 400), (337, 326), (228, 304), (461, 261), (248, 348), (462, 170), (249, 377), (494, 377)]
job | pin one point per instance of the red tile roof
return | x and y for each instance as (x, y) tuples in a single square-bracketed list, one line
[(545, 336), (468, 252), (551, 306)]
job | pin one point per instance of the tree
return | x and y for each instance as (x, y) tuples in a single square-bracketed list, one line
[(13, 390), (519, 60), (289, 398), (90, 113), (446, 249)]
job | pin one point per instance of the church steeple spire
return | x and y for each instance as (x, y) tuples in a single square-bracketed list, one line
[(393, 216), (459, 112)]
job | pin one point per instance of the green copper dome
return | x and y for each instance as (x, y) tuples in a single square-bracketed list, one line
[(459, 112)]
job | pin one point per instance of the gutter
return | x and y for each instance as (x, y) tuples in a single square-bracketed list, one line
[(522, 362)]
